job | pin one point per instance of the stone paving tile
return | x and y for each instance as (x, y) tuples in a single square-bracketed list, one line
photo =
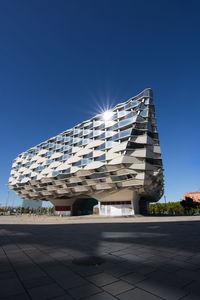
[(30, 272), (39, 257), (102, 279), (64, 297), (10, 287), (131, 267), (6, 267), (162, 289), (44, 261), (164, 253), (193, 288), (57, 271), (2, 254), (102, 296), (184, 252), (39, 281), (187, 276), (131, 257), (46, 292), (178, 280), (85, 270), (10, 248), (64, 260), (17, 297), (57, 253), (84, 291), (166, 266), (133, 278), (8, 275), (160, 258), (71, 282), (170, 268), (145, 269), (190, 297), (146, 255), (19, 260), (24, 246), (117, 287), (118, 271), (137, 294), (113, 258), (180, 257)]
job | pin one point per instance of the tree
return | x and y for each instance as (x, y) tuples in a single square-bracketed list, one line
[(26, 211), (190, 207), (172, 208)]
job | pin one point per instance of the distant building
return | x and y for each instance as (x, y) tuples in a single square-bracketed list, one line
[(193, 195), (31, 203)]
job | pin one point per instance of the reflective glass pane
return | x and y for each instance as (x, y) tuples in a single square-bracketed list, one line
[(55, 173), (101, 146), (89, 155), (118, 178), (66, 147), (131, 114), (114, 137), (97, 132), (59, 138), (67, 171), (97, 123), (101, 157), (125, 122), (86, 141), (109, 133), (102, 136), (67, 139), (134, 103), (109, 123), (76, 131), (122, 113), (125, 133), (110, 144), (144, 113), (127, 105)]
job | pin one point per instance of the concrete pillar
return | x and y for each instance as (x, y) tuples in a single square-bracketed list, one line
[(135, 201)]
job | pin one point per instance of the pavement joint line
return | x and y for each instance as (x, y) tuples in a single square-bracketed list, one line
[(85, 278), (17, 275), (190, 251), (48, 275), (34, 264), (182, 297), (150, 293)]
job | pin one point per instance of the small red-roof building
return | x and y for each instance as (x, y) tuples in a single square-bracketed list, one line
[(193, 195)]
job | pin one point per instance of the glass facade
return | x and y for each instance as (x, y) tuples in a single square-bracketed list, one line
[(125, 141)]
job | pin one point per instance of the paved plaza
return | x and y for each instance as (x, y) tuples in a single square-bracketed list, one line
[(145, 258)]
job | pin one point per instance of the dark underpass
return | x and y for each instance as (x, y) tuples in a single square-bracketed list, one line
[(83, 206)]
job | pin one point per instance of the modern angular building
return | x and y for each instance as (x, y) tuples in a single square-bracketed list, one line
[(113, 158)]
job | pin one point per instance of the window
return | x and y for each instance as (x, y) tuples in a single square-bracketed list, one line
[(101, 157)]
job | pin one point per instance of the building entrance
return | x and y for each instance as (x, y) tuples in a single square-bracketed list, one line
[(83, 206)]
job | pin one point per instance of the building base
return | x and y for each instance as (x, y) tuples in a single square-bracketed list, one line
[(121, 203)]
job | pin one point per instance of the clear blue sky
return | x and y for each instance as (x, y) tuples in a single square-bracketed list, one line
[(59, 59)]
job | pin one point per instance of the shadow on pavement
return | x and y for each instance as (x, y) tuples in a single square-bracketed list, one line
[(158, 260)]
